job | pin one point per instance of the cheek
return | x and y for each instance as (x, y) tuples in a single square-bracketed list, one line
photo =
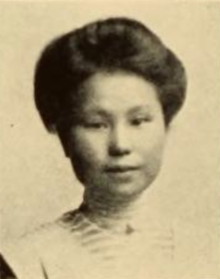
[(154, 155), (151, 150), (86, 148), (82, 155)]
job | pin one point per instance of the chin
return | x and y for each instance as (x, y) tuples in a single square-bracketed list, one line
[(128, 191), (117, 188), (124, 191)]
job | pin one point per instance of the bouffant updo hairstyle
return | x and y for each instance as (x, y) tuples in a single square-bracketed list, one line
[(114, 44)]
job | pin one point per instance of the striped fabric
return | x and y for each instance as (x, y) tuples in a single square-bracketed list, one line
[(74, 247)]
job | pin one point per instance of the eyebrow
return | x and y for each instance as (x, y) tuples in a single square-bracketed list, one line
[(97, 111), (103, 113), (137, 109)]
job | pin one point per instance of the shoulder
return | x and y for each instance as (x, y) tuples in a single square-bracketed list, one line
[(30, 255), (20, 260)]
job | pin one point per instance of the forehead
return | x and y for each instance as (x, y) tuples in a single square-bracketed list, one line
[(118, 91)]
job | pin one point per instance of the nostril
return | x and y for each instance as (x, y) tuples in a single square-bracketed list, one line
[(118, 151)]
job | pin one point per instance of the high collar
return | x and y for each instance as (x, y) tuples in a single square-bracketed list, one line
[(118, 215)]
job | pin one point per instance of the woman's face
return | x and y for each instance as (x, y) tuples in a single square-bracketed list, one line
[(117, 140)]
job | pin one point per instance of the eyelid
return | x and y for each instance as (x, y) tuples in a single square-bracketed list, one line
[(144, 116), (94, 124), (90, 119), (138, 120)]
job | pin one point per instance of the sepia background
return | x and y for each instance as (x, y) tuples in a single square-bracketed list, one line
[(36, 180)]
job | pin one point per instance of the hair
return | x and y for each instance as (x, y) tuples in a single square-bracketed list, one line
[(114, 44)]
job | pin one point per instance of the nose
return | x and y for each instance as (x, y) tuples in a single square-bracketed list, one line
[(120, 143)]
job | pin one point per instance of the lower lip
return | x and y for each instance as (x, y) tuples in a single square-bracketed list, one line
[(122, 176)]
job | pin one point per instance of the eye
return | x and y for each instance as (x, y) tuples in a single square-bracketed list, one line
[(95, 125), (140, 120)]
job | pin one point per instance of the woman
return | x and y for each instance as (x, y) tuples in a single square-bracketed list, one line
[(109, 90)]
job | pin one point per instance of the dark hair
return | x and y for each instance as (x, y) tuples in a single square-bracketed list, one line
[(106, 45)]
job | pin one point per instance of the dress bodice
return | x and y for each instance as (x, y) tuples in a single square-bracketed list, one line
[(75, 247)]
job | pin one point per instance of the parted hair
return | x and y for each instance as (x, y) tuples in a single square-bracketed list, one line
[(114, 44)]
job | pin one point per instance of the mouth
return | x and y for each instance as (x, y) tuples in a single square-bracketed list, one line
[(122, 174), (121, 169)]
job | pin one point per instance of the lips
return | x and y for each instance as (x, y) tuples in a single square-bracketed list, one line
[(121, 169), (122, 174)]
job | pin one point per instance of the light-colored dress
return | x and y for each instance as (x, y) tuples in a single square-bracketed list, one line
[(75, 248)]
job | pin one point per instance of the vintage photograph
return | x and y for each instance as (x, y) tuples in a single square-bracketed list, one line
[(109, 140)]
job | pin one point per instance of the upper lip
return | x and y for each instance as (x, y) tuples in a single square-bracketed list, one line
[(121, 168)]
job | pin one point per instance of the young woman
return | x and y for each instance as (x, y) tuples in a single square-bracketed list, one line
[(109, 90)]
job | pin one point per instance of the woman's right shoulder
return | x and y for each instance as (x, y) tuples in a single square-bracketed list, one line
[(20, 260), (23, 257), (33, 251)]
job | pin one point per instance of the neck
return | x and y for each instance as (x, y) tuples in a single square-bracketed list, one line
[(109, 211)]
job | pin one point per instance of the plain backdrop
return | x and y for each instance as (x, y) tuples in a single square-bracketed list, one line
[(36, 181)]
